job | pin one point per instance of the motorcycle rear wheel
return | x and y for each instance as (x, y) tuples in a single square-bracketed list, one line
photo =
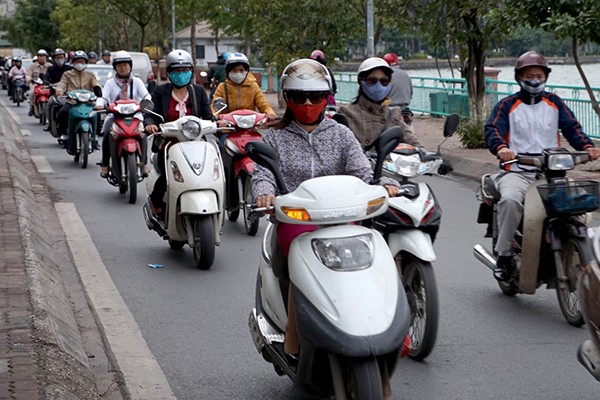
[(566, 291), (204, 242), (251, 222), (419, 284), (132, 177)]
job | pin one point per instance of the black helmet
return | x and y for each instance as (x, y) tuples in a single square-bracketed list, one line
[(93, 54), (105, 53), (59, 52), (80, 54)]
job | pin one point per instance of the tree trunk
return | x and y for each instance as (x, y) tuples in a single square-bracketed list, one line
[(586, 83)]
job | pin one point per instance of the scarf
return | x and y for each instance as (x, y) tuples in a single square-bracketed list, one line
[(181, 106), (123, 84)]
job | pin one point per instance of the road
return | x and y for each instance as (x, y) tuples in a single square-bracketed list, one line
[(195, 322)]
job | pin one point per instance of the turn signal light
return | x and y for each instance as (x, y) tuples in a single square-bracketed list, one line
[(299, 214)]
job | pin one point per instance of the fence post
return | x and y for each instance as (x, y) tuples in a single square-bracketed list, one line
[(491, 99)]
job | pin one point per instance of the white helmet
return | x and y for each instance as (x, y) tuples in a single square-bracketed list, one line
[(178, 58), (306, 75), (372, 63)]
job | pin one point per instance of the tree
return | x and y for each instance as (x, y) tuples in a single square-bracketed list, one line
[(577, 20), (30, 27), (140, 11)]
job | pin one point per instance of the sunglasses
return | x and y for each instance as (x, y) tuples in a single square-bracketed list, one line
[(300, 97), (372, 81)]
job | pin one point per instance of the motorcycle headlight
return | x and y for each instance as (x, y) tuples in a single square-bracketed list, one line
[(245, 121), (408, 166), (191, 129), (560, 162), (345, 254)]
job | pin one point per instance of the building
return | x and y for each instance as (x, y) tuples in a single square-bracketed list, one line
[(206, 42)]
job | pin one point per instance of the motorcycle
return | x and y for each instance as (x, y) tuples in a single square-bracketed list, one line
[(81, 128), (195, 188), (54, 105), (344, 284), (409, 227), (552, 245), (41, 94), (18, 89), (239, 167), (588, 289), (126, 155)]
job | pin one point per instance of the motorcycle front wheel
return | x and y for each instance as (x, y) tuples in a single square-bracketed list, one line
[(42, 112), (84, 143), (566, 289), (17, 96), (132, 177), (419, 284), (204, 242), (250, 221), (362, 379)]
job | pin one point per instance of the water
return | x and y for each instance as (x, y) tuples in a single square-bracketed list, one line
[(560, 75)]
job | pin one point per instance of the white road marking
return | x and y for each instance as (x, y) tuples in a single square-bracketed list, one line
[(42, 164), (144, 379)]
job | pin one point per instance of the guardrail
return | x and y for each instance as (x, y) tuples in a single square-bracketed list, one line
[(445, 96)]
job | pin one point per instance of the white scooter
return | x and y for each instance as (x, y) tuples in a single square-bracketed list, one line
[(195, 188), (410, 226), (351, 310)]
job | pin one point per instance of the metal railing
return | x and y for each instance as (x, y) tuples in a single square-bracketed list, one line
[(445, 96)]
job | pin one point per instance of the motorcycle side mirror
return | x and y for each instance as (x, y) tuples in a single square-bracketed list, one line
[(451, 125), (384, 144), (146, 104), (219, 105), (266, 156)]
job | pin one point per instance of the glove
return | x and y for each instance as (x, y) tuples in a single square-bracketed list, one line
[(445, 167)]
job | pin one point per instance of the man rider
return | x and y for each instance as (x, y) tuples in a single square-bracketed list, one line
[(76, 78), (54, 74), (105, 58), (34, 71), (526, 122)]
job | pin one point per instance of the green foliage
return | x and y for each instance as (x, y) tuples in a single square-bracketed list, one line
[(525, 38), (76, 30), (31, 28), (471, 133)]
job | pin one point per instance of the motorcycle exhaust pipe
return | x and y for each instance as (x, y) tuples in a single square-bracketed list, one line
[(484, 256)]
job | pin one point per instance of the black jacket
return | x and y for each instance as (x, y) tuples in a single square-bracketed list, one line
[(54, 73), (161, 97)]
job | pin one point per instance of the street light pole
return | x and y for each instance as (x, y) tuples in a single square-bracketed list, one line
[(370, 31), (173, 23)]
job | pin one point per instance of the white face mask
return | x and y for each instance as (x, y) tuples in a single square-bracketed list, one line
[(80, 67), (238, 77)]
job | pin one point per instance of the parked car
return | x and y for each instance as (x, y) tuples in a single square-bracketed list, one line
[(142, 68)]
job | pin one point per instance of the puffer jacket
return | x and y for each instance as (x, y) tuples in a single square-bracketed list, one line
[(330, 149), (247, 95), (73, 79), (367, 120)]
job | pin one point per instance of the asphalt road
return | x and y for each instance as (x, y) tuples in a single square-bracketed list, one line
[(195, 322)]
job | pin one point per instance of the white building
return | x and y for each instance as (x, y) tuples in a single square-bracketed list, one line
[(206, 42)]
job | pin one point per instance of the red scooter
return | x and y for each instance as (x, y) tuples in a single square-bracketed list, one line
[(239, 167), (41, 95), (126, 147)]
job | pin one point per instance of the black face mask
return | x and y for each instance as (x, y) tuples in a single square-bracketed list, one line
[(533, 87)]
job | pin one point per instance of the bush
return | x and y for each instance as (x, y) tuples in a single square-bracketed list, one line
[(471, 133)]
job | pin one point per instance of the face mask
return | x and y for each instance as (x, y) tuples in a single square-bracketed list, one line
[(181, 78), (59, 62), (533, 87), (376, 92), (80, 67), (307, 114), (238, 77)]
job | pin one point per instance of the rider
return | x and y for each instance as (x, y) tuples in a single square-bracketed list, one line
[(319, 56), (402, 90), (16, 70), (172, 101), (121, 87), (76, 78), (309, 146), (211, 75), (54, 74), (92, 57), (526, 122), (370, 114), (36, 69), (240, 90), (105, 58)]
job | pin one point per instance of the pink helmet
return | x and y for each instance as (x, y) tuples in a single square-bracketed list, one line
[(317, 55)]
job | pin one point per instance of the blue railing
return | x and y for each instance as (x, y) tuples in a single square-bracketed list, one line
[(445, 96)]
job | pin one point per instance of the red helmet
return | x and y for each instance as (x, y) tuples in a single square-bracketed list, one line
[(391, 59), (531, 59), (317, 55)]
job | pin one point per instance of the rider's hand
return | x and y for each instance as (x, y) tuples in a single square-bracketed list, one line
[(594, 153), (221, 123), (506, 154), (266, 201), (151, 129), (98, 107), (272, 116), (392, 190)]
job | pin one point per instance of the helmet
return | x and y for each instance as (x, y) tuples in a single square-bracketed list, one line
[(92, 54), (34, 59), (105, 53), (122, 57), (531, 59), (391, 59), (317, 55), (41, 52), (234, 59), (177, 59), (80, 54), (373, 63), (16, 60), (59, 52), (306, 75), (226, 55)]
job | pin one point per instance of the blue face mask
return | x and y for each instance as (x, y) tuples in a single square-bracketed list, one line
[(181, 78), (376, 92)]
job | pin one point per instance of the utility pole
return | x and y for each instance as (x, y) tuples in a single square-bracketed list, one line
[(173, 23), (370, 31)]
